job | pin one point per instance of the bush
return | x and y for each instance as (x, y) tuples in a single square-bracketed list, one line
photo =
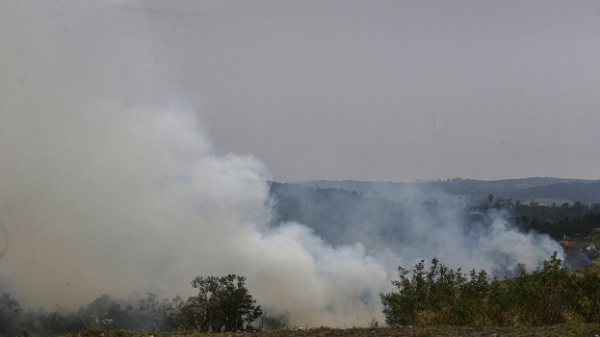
[(439, 296), (444, 296)]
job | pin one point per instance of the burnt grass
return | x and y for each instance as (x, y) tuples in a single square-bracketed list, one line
[(588, 330)]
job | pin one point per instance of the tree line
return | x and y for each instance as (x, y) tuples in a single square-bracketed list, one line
[(574, 219), (438, 296), (222, 304)]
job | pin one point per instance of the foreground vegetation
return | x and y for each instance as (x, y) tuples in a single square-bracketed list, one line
[(442, 296), (550, 301), (222, 304)]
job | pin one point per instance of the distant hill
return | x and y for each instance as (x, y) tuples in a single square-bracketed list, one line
[(586, 192), (542, 189), (426, 219)]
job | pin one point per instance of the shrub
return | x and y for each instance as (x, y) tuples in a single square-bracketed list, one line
[(437, 296), (549, 295)]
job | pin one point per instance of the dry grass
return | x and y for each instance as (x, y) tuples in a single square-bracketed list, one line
[(588, 330)]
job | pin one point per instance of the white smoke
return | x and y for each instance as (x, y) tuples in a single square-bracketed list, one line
[(109, 185), (135, 197)]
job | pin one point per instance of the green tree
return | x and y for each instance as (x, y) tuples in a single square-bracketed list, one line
[(222, 304)]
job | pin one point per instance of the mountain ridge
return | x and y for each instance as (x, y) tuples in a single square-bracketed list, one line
[(544, 190)]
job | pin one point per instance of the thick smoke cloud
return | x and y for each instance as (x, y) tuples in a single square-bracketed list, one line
[(106, 190), (109, 184), (133, 198), (431, 224)]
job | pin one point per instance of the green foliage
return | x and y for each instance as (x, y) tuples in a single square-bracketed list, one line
[(222, 304), (442, 296), (556, 221), (437, 296)]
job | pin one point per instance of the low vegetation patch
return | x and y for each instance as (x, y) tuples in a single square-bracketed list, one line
[(442, 296)]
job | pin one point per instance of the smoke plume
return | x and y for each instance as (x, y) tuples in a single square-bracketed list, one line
[(109, 184)]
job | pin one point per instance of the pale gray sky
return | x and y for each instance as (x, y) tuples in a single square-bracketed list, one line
[(362, 90)]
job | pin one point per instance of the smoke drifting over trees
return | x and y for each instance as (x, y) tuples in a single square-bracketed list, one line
[(109, 184)]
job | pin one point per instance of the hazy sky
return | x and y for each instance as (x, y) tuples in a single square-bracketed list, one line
[(362, 90)]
